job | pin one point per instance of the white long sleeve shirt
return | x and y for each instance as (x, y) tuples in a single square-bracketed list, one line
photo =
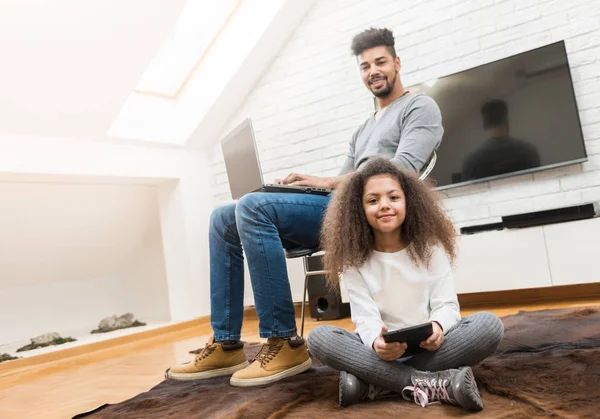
[(391, 289)]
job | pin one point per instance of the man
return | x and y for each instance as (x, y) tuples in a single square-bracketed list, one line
[(500, 153), (407, 129)]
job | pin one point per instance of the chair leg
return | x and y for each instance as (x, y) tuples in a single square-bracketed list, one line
[(303, 305)]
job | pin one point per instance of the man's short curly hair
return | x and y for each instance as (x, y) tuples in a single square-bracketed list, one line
[(372, 38)]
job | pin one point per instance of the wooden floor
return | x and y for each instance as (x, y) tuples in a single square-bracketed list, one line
[(69, 386)]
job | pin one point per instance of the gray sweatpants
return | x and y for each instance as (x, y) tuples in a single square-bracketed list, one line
[(469, 342)]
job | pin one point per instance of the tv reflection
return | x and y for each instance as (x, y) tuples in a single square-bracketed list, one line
[(500, 153)]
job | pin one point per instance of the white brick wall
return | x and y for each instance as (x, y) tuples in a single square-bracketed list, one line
[(311, 99)]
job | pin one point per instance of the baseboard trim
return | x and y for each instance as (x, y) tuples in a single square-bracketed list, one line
[(529, 295)]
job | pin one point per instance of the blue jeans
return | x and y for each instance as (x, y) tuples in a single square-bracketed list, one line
[(263, 224)]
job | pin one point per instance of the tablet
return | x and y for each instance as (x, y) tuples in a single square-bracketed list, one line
[(412, 336)]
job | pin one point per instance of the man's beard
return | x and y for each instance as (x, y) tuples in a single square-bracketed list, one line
[(385, 92)]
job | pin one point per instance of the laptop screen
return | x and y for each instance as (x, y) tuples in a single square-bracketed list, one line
[(241, 160)]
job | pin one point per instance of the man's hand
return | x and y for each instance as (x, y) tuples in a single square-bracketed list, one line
[(388, 351), (298, 179), (436, 339)]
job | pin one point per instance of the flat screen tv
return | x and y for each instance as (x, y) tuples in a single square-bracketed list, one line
[(512, 116)]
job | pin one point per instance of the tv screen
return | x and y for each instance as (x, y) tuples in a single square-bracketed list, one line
[(512, 116)]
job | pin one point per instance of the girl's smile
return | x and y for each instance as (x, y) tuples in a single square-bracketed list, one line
[(385, 208)]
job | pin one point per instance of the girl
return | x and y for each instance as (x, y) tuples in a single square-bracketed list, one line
[(385, 232)]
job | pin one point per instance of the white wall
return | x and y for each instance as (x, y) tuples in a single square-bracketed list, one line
[(143, 276), (74, 253), (68, 307), (184, 211), (311, 99)]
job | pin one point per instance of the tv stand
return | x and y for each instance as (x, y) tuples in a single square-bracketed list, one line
[(531, 254)]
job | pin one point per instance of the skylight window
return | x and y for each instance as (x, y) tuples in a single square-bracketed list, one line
[(198, 26), (216, 52)]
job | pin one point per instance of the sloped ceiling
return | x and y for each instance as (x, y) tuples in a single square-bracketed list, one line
[(68, 65)]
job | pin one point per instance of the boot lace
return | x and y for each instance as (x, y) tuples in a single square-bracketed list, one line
[(426, 392), (208, 349), (267, 353)]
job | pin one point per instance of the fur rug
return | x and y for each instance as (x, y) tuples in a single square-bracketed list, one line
[(548, 365)]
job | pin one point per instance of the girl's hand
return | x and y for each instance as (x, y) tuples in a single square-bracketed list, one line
[(436, 339), (388, 351)]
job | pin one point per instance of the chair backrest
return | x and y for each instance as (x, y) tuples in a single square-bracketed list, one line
[(429, 167)]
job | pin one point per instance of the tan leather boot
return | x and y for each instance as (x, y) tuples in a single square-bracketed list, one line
[(277, 359), (215, 360)]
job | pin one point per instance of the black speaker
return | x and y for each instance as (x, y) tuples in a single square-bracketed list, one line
[(557, 215), (325, 303)]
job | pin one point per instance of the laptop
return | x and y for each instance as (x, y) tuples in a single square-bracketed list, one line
[(243, 166)]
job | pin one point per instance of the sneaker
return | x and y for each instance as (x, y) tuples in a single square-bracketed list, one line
[(277, 359), (455, 386), (354, 390), (215, 360)]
